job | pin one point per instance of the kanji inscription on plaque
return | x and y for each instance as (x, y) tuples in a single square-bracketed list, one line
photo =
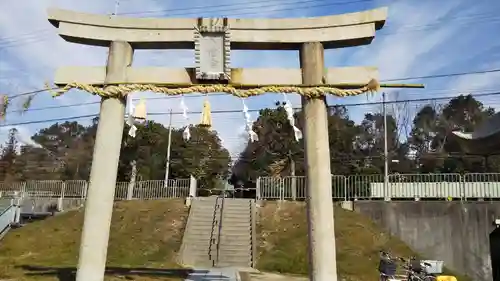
[(212, 52)]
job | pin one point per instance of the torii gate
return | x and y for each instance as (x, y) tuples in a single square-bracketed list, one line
[(213, 39)]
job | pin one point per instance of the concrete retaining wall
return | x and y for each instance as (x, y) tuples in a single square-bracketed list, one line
[(456, 232)]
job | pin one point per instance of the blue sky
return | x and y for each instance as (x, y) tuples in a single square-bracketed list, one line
[(421, 38)]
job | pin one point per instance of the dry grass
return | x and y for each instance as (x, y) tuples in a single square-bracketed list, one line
[(144, 239), (283, 242)]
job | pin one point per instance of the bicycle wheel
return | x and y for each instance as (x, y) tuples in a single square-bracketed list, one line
[(429, 278)]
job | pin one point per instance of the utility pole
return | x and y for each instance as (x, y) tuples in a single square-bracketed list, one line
[(167, 166), (117, 4), (292, 175), (133, 179), (386, 153)]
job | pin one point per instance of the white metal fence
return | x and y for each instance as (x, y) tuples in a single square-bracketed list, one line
[(356, 187), (398, 187), (77, 189)]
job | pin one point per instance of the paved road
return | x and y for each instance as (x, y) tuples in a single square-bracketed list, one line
[(214, 274)]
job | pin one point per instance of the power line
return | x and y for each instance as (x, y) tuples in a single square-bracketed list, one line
[(189, 11), (443, 75), (37, 36), (236, 111), (220, 94), (50, 120), (203, 8)]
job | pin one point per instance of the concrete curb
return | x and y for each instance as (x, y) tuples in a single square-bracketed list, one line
[(243, 276)]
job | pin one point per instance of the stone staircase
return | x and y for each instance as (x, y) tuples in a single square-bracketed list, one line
[(236, 234), (200, 232), (220, 232)]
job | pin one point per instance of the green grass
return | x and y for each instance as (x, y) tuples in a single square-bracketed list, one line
[(283, 242), (145, 237)]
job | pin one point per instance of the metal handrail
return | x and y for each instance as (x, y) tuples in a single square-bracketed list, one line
[(223, 195), (6, 209), (5, 227), (253, 221), (214, 220)]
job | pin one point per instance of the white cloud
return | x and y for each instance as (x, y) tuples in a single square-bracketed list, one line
[(23, 136)]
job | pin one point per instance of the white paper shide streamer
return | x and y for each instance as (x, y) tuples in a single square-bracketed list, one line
[(248, 124), (130, 119), (291, 119), (186, 134)]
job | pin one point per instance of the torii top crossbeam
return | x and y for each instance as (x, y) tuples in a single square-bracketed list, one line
[(213, 39), (345, 30)]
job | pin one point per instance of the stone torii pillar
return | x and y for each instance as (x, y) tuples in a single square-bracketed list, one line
[(212, 39)]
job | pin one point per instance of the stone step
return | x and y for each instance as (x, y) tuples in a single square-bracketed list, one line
[(207, 233), (202, 229), (235, 260), (241, 216), (224, 238), (197, 240), (236, 215), (233, 217), (232, 234), (203, 219), (203, 263), (236, 245), (198, 222), (236, 229), (235, 223), (199, 236), (201, 206), (205, 212), (239, 240), (225, 213), (234, 264), (234, 257), (198, 251), (243, 252), (197, 227), (228, 206)]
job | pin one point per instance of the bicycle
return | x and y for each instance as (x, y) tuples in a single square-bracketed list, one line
[(415, 270), (388, 267)]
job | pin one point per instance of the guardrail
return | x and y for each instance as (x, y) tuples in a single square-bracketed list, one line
[(476, 186), (77, 189), (8, 216), (399, 187)]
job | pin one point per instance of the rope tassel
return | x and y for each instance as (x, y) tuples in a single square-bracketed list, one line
[(186, 134), (140, 111), (289, 114), (130, 118), (206, 115), (248, 124)]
